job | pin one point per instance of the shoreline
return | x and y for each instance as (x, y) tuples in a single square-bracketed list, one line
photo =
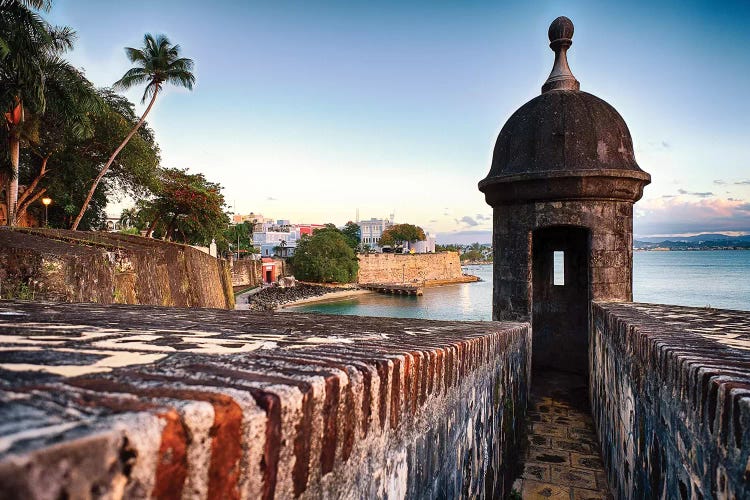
[(465, 278), (326, 297)]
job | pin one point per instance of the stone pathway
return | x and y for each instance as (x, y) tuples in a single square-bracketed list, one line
[(562, 460)]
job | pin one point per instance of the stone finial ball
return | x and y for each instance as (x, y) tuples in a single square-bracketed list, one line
[(561, 28)]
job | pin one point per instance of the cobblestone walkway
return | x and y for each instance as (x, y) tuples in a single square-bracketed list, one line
[(562, 460)]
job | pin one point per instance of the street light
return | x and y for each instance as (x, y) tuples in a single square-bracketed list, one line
[(46, 202)]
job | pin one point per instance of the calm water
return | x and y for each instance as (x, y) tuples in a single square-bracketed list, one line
[(718, 279)]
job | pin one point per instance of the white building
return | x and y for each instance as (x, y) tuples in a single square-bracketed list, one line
[(426, 246), (371, 231), (273, 238)]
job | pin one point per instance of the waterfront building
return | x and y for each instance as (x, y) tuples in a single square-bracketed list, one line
[(371, 231), (279, 238), (426, 246)]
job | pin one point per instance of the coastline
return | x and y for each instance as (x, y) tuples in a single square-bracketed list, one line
[(280, 299), (465, 278), (331, 296)]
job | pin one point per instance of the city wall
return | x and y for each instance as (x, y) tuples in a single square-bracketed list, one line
[(409, 268), (137, 401), (246, 273), (670, 395), (82, 266)]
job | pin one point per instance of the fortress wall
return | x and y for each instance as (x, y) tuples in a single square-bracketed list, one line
[(670, 395), (227, 404), (246, 272), (400, 268), (81, 266)]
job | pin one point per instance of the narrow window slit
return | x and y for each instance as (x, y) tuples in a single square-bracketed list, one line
[(558, 275)]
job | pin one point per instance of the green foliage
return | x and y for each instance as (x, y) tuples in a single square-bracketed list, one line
[(448, 248), (476, 252), (186, 208), (73, 160), (239, 232), (156, 63), (325, 257), (16, 290), (401, 233), (352, 233), (472, 255)]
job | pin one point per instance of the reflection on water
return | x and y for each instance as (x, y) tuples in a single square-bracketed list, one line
[(720, 279), (464, 302)]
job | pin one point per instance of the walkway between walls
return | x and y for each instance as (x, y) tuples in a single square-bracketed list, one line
[(562, 460)]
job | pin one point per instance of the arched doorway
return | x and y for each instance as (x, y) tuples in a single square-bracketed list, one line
[(560, 298)]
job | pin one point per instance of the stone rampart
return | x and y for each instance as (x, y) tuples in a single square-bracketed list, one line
[(82, 266), (246, 272), (137, 401), (408, 268), (670, 394)]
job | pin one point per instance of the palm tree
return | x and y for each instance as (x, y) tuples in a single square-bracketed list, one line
[(157, 63), (26, 43), (16, 14)]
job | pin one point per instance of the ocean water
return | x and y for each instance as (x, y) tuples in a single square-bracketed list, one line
[(719, 279)]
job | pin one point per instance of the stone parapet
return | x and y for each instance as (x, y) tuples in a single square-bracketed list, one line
[(137, 401), (670, 394), (106, 268)]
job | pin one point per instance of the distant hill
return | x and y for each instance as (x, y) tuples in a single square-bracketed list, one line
[(695, 239), (697, 242)]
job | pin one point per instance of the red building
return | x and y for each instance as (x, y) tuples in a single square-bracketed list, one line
[(271, 270)]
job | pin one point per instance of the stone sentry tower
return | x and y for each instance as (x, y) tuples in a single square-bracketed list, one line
[(562, 186)]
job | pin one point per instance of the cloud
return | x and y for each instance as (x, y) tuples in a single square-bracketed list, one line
[(271, 198), (743, 182), (483, 218), (467, 220), (719, 182), (665, 145), (681, 215), (704, 194), (464, 237)]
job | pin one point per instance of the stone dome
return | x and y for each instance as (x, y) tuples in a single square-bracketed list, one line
[(563, 131), (553, 142)]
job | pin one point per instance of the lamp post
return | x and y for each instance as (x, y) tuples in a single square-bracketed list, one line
[(46, 201)]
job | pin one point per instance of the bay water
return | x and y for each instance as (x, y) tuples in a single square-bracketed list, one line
[(719, 279)]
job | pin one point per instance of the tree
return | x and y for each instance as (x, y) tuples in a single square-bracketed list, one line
[(157, 63), (186, 208), (27, 44), (402, 233), (448, 248), (325, 257), (239, 233), (353, 234), (60, 161), (71, 102)]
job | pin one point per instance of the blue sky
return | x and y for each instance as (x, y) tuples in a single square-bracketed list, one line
[(310, 110)]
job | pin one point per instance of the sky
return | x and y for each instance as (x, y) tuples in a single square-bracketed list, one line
[(308, 111)]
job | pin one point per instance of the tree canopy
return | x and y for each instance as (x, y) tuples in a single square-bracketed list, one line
[(157, 63), (352, 234), (402, 233), (186, 208), (59, 128), (325, 257), (242, 233)]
